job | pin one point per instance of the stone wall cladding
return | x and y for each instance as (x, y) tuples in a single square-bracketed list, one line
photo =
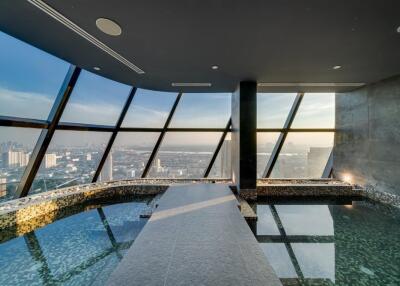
[(305, 187), (367, 139)]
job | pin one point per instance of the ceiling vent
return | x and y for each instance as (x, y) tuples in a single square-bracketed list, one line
[(191, 84), (310, 84), (68, 23)]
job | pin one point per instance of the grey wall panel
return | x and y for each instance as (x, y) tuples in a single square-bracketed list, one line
[(367, 141)]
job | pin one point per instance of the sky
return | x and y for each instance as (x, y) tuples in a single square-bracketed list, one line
[(30, 80)]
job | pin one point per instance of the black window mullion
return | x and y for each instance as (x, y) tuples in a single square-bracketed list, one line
[(282, 137), (47, 134), (221, 141), (161, 137), (114, 134)]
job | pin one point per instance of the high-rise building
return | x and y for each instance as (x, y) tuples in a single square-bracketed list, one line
[(50, 160), (89, 157), (106, 173), (159, 168), (226, 159), (3, 187), (15, 159)]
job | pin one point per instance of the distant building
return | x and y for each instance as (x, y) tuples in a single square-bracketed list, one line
[(159, 168), (15, 159), (50, 160), (89, 157), (316, 161), (106, 173), (3, 187), (226, 159)]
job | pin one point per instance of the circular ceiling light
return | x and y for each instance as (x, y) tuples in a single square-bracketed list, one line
[(96, 68), (398, 29), (214, 67), (108, 26), (337, 67)]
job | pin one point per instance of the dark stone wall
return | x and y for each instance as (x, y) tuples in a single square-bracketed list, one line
[(367, 141), (244, 135)]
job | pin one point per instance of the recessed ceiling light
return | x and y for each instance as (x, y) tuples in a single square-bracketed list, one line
[(108, 26), (337, 67), (214, 67), (398, 29), (96, 68)]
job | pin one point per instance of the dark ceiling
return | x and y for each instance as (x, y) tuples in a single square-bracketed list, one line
[(281, 41)]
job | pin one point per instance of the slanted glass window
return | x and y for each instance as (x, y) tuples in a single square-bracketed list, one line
[(222, 167), (95, 100), (30, 79), (265, 144), (201, 110), (303, 155), (184, 155), (128, 156), (317, 110), (273, 109), (16, 145), (71, 159), (149, 109)]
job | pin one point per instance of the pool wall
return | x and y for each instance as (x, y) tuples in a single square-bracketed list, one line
[(45, 205)]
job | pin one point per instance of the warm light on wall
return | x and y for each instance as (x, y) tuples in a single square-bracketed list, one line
[(347, 178)]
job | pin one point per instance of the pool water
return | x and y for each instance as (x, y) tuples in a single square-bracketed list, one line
[(79, 249), (330, 243)]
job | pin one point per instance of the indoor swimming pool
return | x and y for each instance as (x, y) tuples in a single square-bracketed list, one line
[(81, 248), (331, 243)]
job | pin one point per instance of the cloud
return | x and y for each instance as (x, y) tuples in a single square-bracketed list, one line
[(25, 104)]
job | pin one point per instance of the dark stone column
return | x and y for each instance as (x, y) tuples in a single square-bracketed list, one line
[(244, 138)]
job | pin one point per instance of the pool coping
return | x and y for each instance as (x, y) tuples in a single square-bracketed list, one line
[(22, 211)]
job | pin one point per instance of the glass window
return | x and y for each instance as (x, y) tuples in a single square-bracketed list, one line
[(222, 167), (29, 79), (128, 156), (16, 147), (95, 100), (200, 110), (265, 144), (184, 155), (273, 109), (317, 110), (71, 159), (303, 155), (149, 109)]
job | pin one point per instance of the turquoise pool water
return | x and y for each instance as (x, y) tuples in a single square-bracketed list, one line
[(316, 243), (79, 249)]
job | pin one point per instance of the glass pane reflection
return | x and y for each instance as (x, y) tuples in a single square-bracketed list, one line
[(316, 260), (279, 259), (306, 219)]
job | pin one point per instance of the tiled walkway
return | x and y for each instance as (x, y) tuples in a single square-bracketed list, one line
[(196, 236)]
